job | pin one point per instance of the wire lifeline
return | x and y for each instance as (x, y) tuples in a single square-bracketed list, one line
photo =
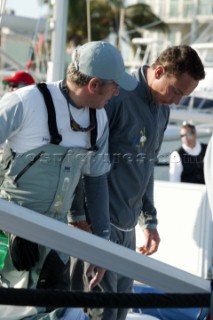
[(60, 298)]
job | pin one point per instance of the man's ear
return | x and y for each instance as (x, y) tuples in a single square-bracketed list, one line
[(93, 85), (159, 71)]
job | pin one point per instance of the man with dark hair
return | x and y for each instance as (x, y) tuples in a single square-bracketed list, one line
[(137, 121)]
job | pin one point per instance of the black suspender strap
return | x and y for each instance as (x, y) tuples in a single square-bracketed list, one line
[(55, 136), (94, 132)]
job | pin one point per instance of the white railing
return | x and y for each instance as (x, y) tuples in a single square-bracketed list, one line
[(49, 232)]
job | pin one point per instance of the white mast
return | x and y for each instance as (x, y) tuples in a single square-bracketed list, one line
[(89, 36), (56, 67)]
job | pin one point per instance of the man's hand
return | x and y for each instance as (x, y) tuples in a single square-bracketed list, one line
[(95, 275), (83, 225), (152, 241)]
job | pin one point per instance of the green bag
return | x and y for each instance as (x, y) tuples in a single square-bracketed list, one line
[(3, 248)]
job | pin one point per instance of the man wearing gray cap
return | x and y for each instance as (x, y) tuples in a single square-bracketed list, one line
[(49, 146)]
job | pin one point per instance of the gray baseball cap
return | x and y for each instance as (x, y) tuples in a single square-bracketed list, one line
[(102, 60)]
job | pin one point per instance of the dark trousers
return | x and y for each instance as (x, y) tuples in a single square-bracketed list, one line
[(111, 282)]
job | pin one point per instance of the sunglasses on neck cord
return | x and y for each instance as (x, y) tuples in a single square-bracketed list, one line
[(76, 126)]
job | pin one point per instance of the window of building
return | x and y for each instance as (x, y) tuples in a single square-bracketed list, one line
[(188, 7), (205, 7), (174, 8)]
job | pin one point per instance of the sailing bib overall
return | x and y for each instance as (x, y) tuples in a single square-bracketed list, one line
[(44, 179)]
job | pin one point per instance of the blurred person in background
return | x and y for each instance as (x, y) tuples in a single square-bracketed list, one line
[(186, 163), (18, 80)]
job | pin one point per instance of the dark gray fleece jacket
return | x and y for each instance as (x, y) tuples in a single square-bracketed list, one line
[(136, 126), (136, 129)]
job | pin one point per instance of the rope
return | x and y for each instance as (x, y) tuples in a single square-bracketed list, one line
[(59, 298)]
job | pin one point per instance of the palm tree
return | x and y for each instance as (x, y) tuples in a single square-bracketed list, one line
[(106, 16), (109, 17)]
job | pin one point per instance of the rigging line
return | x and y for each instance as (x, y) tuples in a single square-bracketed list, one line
[(32, 46), (31, 51), (2, 9)]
